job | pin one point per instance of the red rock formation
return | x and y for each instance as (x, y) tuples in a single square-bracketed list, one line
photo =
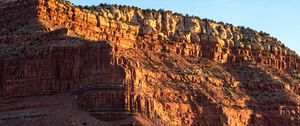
[(154, 68)]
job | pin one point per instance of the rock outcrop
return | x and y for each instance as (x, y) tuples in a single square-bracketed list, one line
[(123, 65)]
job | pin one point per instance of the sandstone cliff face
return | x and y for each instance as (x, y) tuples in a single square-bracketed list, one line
[(142, 67)]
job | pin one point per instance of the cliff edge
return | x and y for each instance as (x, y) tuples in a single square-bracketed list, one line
[(63, 64)]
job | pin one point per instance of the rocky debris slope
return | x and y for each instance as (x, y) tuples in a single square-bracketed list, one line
[(125, 65)]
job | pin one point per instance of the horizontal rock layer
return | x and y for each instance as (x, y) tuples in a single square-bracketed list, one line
[(160, 31), (163, 67)]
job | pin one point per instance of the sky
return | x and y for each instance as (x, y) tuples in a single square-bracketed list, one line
[(280, 18)]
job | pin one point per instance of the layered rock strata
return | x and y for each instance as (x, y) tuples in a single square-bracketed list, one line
[(162, 31), (125, 63)]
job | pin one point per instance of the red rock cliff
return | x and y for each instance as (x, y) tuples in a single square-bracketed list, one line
[(154, 68)]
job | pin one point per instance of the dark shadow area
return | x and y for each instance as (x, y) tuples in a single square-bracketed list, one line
[(36, 60)]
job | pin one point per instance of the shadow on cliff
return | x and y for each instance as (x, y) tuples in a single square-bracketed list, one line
[(257, 87), (266, 94), (21, 19), (28, 37)]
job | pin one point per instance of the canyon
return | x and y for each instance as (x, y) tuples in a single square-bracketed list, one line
[(63, 64)]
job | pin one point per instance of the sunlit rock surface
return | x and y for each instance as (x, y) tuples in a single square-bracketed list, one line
[(119, 65)]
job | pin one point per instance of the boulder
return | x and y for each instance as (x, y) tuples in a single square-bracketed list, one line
[(274, 49), (195, 38), (239, 45), (256, 46), (229, 43), (194, 25)]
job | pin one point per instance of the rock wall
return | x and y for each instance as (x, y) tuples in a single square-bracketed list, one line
[(69, 65), (169, 68), (162, 31), (168, 32), (87, 24), (56, 69)]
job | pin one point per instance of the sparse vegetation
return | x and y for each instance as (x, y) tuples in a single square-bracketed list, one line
[(264, 34)]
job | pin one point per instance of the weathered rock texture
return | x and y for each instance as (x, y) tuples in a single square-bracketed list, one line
[(119, 65)]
